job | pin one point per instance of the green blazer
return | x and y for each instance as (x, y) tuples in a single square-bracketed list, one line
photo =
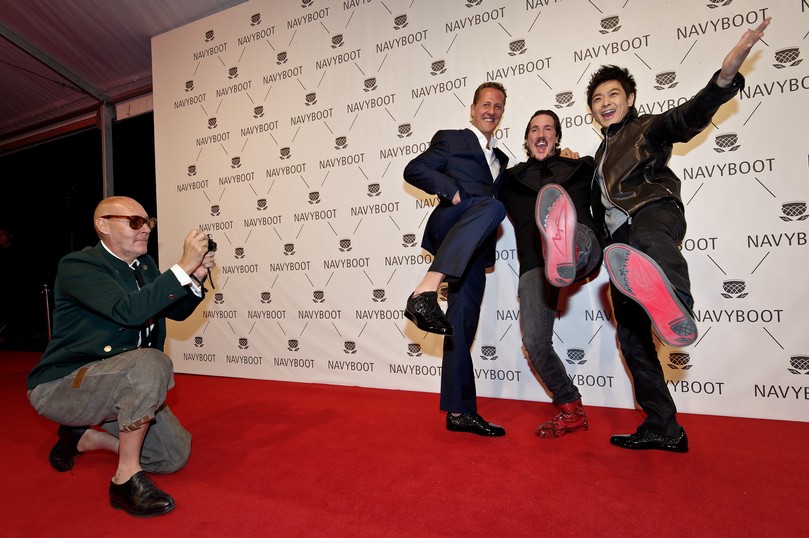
[(99, 310)]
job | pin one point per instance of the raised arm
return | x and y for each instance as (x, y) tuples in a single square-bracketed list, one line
[(737, 55)]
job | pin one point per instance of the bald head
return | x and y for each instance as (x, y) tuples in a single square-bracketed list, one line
[(116, 233)]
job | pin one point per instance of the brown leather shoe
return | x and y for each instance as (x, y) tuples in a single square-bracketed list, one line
[(571, 418), (139, 497)]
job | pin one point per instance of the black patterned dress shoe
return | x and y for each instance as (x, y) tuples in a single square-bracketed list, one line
[(423, 310), (473, 423), (645, 439), (66, 448), (139, 497)]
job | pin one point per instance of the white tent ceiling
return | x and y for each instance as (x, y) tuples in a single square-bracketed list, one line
[(60, 60)]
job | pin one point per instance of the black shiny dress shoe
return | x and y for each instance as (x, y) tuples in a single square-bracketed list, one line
[(139, 497), (645, 439), (66, 448), (424, 311), (473, 423)]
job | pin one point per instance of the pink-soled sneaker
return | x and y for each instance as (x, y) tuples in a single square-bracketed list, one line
[(638, 276), (556, 220)]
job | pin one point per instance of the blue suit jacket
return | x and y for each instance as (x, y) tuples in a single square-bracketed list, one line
[(99, 310), (454, 162)]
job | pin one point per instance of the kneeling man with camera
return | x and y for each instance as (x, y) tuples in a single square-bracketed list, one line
[(104, 376)]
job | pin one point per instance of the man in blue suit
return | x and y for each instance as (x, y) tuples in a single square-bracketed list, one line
[(105, 365), (464, 169)]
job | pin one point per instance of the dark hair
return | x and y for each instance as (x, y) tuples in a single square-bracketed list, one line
[(611, 72), (494, 85), (557, 125)]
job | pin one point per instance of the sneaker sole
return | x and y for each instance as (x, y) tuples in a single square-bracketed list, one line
[(638, 276), (556, 220)]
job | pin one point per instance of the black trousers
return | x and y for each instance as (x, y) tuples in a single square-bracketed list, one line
[(657, 230)]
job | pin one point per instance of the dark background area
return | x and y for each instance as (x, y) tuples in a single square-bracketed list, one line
[(49, 193)]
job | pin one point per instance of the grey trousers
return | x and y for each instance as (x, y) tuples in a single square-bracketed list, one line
[(121, 393)]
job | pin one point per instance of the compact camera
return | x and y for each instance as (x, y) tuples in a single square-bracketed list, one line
[(211, 244)]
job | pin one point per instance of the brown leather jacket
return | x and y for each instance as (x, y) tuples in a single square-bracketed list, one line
[(634, 154)]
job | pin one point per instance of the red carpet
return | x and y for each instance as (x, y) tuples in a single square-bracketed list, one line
[(290, 459)]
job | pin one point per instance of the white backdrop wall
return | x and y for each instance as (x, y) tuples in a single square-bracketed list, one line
[(282, 129)]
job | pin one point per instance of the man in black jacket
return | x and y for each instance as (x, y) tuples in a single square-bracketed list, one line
[(636, 201), (547, 199)]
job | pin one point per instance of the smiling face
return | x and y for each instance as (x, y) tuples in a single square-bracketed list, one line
[(610, 103), (117, 234), (542, 138), (487, 111)]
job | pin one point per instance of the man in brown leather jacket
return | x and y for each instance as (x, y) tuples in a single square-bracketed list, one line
[(636, 202)]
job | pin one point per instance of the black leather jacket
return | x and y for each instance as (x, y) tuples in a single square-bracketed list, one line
[(634, 154)]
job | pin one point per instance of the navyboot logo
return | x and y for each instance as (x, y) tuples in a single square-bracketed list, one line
[(289, 249), (341, 142), (261, 204), (281, 58), (400, 22), (564, 99), (255, 20), (285, 153), (374, 190), (310, 99), (349, 347), (369, 84), (719, 3), (243, 344), (189, 86), (516, 47), (199, 342), (378, 296), (787, 57), (337, 41), (209, 36), (409, 240), (266, 297), (726, 142), (405, 130), (414, 350), (679, 361), (293, 345), (215, 210), (438, 67), (473, 3), (219, 297), (734, 289), (318, 296), (314, 197), (666, 80), (345, 245), (488, 353), (238, 253), (610, 24), (235, 162), (233, 72), (793, 211), (575, 356), (192, 170), (212, 123), (258, 112), (799, 364)]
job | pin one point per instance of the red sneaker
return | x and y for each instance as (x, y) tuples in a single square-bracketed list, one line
[(571, 418), (556, 220), (638, 276)]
